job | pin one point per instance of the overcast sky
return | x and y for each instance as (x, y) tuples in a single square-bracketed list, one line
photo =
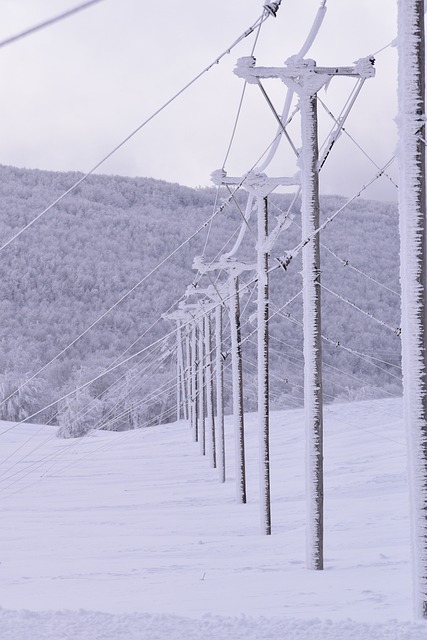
[(70, 93)]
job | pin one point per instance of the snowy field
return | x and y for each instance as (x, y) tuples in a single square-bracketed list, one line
[(131, 536)]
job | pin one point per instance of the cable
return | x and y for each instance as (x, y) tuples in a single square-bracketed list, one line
[(48, 23), (354, 426), (300, 363), (290, 255), (390, 364), (282, 125), (76, 442), (392, 43), (239, 108), (85, 410), (217, 60), (126, 295), (337, 343), (344, 261), (123, 383), (112, 367), (339, 122), (326, 365), (282, 121), (173, 304), (342, 128), (86, 384), (395, 330)]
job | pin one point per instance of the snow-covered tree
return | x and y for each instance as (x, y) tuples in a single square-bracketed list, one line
[(78, 414), (18, 399)]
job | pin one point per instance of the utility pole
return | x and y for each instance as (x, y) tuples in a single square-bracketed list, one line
[(185, 323), (215, 373), (234, 269), (209, 388), (412, 212), (201, 388), (313, 393), (188, 368), (205, 374), (181, 395), (182, 405), (178, 372), (237, 372), (260, 186), (306, 79), (219, 365), (216, 294), (194, 383)]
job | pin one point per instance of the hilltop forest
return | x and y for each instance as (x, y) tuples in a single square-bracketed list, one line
[(80, 258)]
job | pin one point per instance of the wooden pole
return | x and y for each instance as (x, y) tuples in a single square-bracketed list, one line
[(194, 382), (237, 372), (313, 402), (178, 370), (263, 377), (219, 392), (412, 212), (210, 418), (182, 409), (201, 390), (188, 374)]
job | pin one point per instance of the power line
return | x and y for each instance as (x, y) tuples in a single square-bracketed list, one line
[(344, 261), (217, 60), (395, 330), (126, 295), (78, 415), (365, 153), (286, 260), (239, 108), (48, 22), (337, 343), (76, 442)]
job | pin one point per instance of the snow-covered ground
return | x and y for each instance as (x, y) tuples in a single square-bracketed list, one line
[(126, 536)]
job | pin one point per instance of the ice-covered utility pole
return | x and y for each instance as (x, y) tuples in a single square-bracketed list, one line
[(412, 212), (185, 316), (219, 369), (194, 383), (201, 386), (237, 373), (217, 295), (182, 402), (215, 374), (260, 186), (209, 374), (313, 392), (181, 395), (203, 310), (305, 78), (188, 367), (234, 268)]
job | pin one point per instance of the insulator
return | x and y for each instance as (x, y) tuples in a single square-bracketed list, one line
[(272, 8)]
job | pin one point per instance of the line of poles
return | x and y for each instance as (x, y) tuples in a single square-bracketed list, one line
[(197, 385), (304, 77)]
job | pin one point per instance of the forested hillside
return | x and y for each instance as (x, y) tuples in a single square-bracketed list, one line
[(81, 257)]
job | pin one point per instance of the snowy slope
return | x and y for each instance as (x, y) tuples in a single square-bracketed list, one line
[(136, 526)]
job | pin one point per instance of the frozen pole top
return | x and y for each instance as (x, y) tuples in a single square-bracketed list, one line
[(295, 67), (257, 183), (224, 262)]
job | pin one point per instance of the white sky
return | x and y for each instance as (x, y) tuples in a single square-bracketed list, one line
[(71, 92)]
